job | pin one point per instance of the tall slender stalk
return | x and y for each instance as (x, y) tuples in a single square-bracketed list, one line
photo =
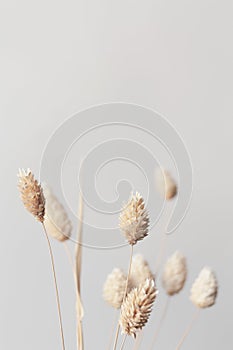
[(188, 329), (69, 255), (123, 342), (78, 262), (126, 288), (164, 313), (56, 287)]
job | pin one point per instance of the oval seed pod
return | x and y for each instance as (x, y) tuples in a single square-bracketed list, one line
[(204, 289), (56, 221), (165, 184), (174, 274)]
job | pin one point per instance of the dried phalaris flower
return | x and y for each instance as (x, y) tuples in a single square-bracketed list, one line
[(140, 271), (204, 289), (56, 221), (174, 274), (134, 219), (31, 194), (114, 288), (166, 185), (136, 308)]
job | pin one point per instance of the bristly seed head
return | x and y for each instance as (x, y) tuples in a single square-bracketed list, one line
[(134, 219), (31, 194), (136, 308)]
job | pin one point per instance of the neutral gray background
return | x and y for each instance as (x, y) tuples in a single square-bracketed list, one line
[(60, 57)]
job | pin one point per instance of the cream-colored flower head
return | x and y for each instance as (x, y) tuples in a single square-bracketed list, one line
[(114, 288), (174, 274), (31, 194), (205, 289), (134, 219), (56, 221), (165, 184), (140, 271), (136, 308)]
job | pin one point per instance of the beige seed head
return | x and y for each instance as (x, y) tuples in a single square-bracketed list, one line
[(134, 219), (205, 289), (136, 308), (174, 274), (31, 194), (56, 220), (140, 271), (114, 288), (165, 184)]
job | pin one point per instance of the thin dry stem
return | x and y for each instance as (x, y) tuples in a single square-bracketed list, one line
[(69, 255), (123, 342), (188, 329), (56, 287), (126, 287), (78, 261), (112, 331), (165, 309)]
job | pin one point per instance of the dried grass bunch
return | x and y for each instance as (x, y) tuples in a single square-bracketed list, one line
[(132, 293), (137, 307)]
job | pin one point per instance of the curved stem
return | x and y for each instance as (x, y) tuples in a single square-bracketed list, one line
[(56, 287), (188, 329), (165, 308), (126, 288)]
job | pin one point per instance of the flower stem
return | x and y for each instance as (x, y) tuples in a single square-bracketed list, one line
[(56, 287), (165, 308), (188, 329), (126, 288)]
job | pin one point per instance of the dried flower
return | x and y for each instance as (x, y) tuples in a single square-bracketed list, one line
[(174, 274), (56, 220), (134, 219), (31, 194), (166, 185), (136, 308), (140, 271), (205, 288), (114, 288)]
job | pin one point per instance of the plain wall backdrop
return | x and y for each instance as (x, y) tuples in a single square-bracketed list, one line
[(58, 57)]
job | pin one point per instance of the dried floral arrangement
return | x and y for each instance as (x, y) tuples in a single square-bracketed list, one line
[(133, 293)]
